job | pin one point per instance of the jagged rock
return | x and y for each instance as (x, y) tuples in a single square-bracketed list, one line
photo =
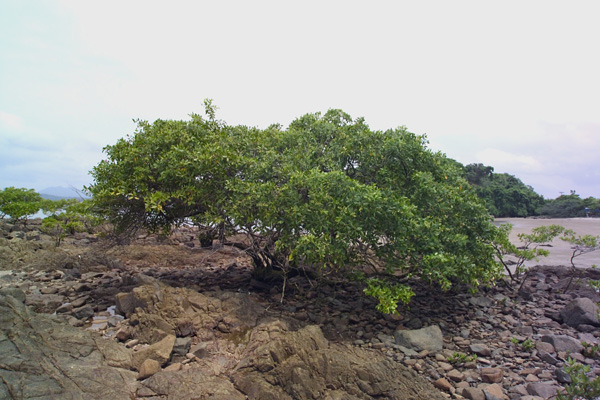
[(284, 364), (491, 375), (43, 357), (182, 346), (14, 292), (185, 311), (189, 384), (563, 343), (544, 390), (472, 393), (429, 338), (580, 311), (481, 301), (44, 303), (83, 312), (159, 351), (480, 349), (493, 392)]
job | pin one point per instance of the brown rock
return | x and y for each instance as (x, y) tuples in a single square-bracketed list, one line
[(472, 393), (148, 368), (495, 390), (456, 375), (491, 375), (443, 384), (160, 351)]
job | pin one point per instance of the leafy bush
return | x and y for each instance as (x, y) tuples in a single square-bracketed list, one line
[(19, 203), (530, 248), (581, 386), (327, 195)]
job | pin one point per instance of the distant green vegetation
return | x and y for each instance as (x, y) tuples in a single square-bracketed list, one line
[(571, 206), (504, 194), (507, 196)]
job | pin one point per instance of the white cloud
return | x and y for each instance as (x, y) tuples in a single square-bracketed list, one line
[(10, 122), (502, 160)]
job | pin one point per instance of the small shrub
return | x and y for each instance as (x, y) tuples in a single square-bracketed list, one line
[(461, 358), (582, 386)]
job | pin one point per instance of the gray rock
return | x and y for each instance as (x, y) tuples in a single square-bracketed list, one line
[(562, 376), (45, 358), (83, 312), (429, 338), (580, 311), (544, 390), (563, 343), (14, 292), (182, 346), (480, 349), (44, 303), (481, 301)]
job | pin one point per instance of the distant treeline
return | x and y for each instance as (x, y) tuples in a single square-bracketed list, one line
[(507, 196)]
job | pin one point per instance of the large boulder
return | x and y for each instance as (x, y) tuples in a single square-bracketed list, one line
[(429, 338), (45, 358), (563, 343), (283, 364), (184, 312), (581, 311)]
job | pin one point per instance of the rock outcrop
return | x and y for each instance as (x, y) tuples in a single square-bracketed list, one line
[(42, 357)]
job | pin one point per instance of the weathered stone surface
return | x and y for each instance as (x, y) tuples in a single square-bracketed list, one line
[(481, 301), (284, 364), (443, 384), (544, 390), (472, 393), (159, 351), (148, 368), (14, 292), (429, 338), (493, 392), (491, 375), (563, 343), (189, 384), (480, 349), (44, 303), (580, 311), (45, 358)]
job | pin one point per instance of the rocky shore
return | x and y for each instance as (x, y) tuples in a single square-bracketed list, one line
[(169, 320)]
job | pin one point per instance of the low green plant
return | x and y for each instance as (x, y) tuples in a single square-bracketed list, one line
[(530, 248), (388, 294), (461, 358), (66, 217), (590, 350), (594, 284), (580, 245), (582, 386), (525, 345)]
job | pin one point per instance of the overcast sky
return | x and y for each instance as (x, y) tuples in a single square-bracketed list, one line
[(511, 84)]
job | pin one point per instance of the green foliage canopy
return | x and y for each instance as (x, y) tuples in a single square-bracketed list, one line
[(326, 194), (18, 203), (571, 206), (504, 194)]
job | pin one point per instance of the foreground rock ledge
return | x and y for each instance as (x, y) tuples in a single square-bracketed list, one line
[(43, 357)]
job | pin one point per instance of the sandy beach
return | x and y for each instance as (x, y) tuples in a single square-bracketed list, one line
[(560, 251)]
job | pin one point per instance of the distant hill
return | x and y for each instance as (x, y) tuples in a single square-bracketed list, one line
[(60, 192)]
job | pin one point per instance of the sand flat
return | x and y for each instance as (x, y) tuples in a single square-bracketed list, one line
[(560, 251)]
